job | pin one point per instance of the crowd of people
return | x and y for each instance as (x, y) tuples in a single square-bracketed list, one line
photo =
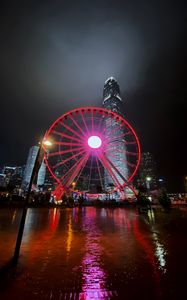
[(38, 199)]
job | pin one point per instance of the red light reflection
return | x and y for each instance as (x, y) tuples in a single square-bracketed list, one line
[(94, 277)]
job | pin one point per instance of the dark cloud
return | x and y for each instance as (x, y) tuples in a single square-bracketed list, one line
[(56, 55)]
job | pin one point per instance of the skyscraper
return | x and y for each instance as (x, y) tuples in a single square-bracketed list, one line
[(147, 171), (111, 96), (29, 167), (112, 101)]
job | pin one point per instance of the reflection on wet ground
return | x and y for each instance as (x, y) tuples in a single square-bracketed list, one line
[(95, 253)]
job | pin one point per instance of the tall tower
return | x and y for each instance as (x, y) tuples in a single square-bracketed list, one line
[(111, 96), (29, 168), (112, 101)]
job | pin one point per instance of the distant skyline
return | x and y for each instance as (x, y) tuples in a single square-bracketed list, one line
[(56, 55)]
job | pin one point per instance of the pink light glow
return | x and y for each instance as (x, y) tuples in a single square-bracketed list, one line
[(81, 135), (94, 142)]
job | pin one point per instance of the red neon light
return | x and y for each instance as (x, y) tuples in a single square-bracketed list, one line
[(76, 143)]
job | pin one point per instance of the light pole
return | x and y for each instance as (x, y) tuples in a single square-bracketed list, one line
[(37, 164), (148, 181)]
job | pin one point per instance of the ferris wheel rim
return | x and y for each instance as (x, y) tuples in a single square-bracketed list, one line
[(109, 113)]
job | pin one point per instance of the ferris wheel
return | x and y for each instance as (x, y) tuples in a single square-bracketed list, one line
[(94, 150)]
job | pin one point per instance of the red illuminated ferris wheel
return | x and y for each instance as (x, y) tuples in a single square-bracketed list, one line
[(94, 150)]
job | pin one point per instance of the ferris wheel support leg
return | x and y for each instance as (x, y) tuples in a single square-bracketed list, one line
[(58, 192), (127, 183)]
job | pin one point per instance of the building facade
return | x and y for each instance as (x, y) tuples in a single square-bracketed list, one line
[(13, 175), (148, 171), (112, 101), (29, 167), (112, 97)]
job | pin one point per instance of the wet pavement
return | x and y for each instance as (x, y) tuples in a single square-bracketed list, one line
[(95, 253)]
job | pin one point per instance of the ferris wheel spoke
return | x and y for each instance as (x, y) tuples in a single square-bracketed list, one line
[(99, 171), (122, 159), (129, 164), (116, 142), (65, 151), (109, 169), (92, 119), (77, 125), (112, 130), (68, 144), (122, 151), (69, 172), (130, 143), (117, 171), (66, 135), (118, 136), (84, 121), (63, 183), (120, 143), (115, 128), (116, 153), (100, 123), (90, 171), (105, 127), (119, 129), (80, 172), (68, 159), (72, 130), (131, 153), (77, 169)]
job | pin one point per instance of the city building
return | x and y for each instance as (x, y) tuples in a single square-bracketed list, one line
[(112, 101), (20, 171), (2, 180), (148, 171), (49, 183), (17, 177), (9, 172), (112, 97), (29, 167), (13, 175), (41, 175)]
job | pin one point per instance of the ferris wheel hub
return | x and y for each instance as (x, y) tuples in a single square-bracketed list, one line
[(94, 142)]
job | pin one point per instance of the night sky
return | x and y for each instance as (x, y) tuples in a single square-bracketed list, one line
[(56, 55)]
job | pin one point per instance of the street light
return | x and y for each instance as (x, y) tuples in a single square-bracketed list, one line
[(73, 184), (161, 183), (46, 143), (37, 164), (148, 180)]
